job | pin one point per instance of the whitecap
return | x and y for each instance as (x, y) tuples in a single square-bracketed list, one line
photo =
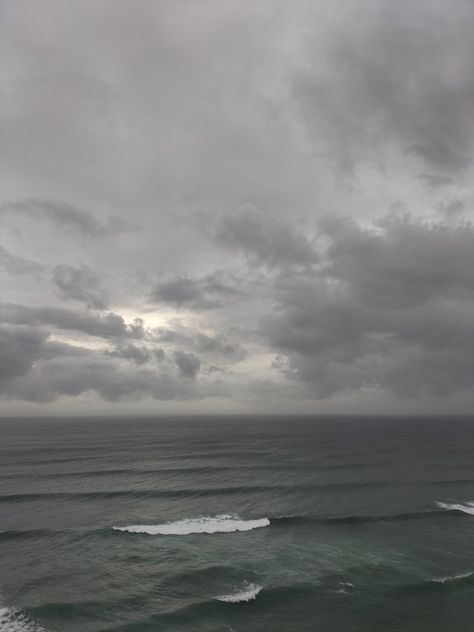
[(247, 593), (222, 523), (467, 507), (14, 620), (452, 578)]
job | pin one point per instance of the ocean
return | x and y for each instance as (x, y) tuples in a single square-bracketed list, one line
[(237, 524)]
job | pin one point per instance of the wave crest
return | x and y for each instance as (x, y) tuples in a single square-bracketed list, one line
[(467, 507), (452, 578), (222, 523), (441, 584), (361, 519), (249, 592)]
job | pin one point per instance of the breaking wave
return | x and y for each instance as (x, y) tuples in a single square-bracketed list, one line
[(249, 592), (453, 578), (222, 523), (467, 507), (442, 584), (14, 620)]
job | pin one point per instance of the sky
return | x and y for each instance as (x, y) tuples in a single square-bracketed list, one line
[(222, 206)]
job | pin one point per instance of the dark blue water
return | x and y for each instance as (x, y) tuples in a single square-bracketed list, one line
[(237, 524)]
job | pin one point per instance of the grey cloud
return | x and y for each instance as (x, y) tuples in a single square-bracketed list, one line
[(79, 284), (255, 106), (108, 325), (392, 301), (452, 209), (206, 292), (210, 369), (401, 74), (204, 343), (34, 367), (95, 374), (406, 263), (177, 291), (262, 239), (54, 348), (139, 355), (188, 364), (159, 354), (436, 181), (65, 215), (20, 346), (17, 265), (415, 372), (220, 345), (136, 329)]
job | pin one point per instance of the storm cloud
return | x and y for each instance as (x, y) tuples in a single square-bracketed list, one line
[(392, 308)]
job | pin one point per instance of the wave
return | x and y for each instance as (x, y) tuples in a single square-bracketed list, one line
[(448, 583), (362, 519), (15, 620), (13, 534), (211, 608), (227, 523), (222, 523), (137, 493), (183, 492), (467, 508), (205, 469), (249, 592), (453, 578)]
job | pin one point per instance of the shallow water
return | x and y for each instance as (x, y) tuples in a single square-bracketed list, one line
[(231, 524)]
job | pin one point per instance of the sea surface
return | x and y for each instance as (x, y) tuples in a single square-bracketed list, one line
[(237, 525)]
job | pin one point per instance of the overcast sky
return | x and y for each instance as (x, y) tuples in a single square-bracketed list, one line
[(236, 206)]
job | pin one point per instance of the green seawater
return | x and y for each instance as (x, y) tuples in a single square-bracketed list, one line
[(237, 525)]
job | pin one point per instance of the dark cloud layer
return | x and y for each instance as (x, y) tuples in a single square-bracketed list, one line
[(34, 367), (109, 380), (391, 309), (237, 206), (108, 325), (20, 347), (399, 72)]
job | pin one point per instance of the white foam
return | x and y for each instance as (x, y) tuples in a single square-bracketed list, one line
[(464, 507), (14, 620), (223, 523), (249, 592), (452, 578)]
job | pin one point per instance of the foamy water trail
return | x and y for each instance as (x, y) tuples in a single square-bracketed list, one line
[(467, 507), (223, 523), (249, 592), (14, 620)]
